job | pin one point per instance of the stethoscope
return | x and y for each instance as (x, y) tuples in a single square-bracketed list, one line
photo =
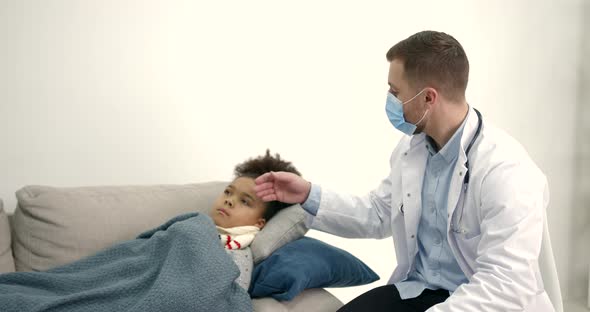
[(458, 228)]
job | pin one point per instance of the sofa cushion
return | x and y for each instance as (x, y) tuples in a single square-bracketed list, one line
[(286, 226), (6, 260), (54, 226)]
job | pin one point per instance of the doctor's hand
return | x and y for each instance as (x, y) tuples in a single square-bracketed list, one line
[(285, 187)]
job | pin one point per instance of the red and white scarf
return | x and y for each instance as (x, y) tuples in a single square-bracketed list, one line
[(238, 237)]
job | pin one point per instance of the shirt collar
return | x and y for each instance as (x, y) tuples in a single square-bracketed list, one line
[(450, 151)]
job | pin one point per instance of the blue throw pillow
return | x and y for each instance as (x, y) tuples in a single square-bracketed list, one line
[(307, 263)]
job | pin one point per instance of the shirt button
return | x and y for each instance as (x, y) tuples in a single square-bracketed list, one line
[(405, 154), (408, 194), (412, 236)]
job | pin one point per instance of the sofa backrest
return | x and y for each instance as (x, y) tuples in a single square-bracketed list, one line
[(53, 226), (6, 260)]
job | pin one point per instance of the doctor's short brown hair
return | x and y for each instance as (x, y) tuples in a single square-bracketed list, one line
[(434, 59), (255, 167)]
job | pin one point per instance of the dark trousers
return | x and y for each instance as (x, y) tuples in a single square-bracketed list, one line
[(387, 298)]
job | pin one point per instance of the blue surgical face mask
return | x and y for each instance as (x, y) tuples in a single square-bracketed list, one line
[(395, 112)]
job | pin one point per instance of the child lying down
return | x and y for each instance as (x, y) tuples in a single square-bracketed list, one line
[(182, 265), (239, 214)]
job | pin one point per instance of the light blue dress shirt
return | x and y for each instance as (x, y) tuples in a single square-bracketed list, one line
[(435, 266)]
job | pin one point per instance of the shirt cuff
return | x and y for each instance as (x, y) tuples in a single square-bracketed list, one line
[(312, 203)]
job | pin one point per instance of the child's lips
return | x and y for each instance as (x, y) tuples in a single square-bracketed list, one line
[(223, 211)]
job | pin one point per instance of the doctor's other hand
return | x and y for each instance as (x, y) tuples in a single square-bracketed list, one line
[(285, 187)]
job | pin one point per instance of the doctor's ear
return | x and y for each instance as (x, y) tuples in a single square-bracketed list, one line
[(431, 95)]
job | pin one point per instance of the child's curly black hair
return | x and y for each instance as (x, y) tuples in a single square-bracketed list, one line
[(255, 167)]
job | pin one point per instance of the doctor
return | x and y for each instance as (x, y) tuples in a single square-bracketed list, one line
[(463, 200)]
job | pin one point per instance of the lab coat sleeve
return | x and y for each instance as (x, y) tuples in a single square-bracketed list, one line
[(513, 197), (353, 216)]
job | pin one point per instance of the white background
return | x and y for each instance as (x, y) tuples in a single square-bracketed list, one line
[(150, 92)]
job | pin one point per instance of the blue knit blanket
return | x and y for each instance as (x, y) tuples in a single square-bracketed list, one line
[(179, 266)]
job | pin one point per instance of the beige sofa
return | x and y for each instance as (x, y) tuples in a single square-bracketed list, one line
[(53, 226)]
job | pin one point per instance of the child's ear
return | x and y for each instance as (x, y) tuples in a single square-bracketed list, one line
[(260, 223)]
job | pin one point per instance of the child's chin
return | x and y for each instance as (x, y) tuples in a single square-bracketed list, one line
[(221, 222)]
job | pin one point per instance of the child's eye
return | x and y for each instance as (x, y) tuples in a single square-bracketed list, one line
[(226, 192), (245, 202)]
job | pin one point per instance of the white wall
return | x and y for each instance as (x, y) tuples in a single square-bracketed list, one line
[(140, 92), (579, 262)]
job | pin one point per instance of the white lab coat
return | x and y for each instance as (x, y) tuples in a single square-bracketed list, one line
[(503, 219)]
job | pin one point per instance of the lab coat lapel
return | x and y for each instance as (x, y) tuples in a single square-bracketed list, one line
[(413, 166), (456, 185), (460, 169)]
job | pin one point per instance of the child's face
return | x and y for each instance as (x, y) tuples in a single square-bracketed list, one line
[(238, 205)]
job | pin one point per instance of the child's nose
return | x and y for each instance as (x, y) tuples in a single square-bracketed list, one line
[(229, 203)]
